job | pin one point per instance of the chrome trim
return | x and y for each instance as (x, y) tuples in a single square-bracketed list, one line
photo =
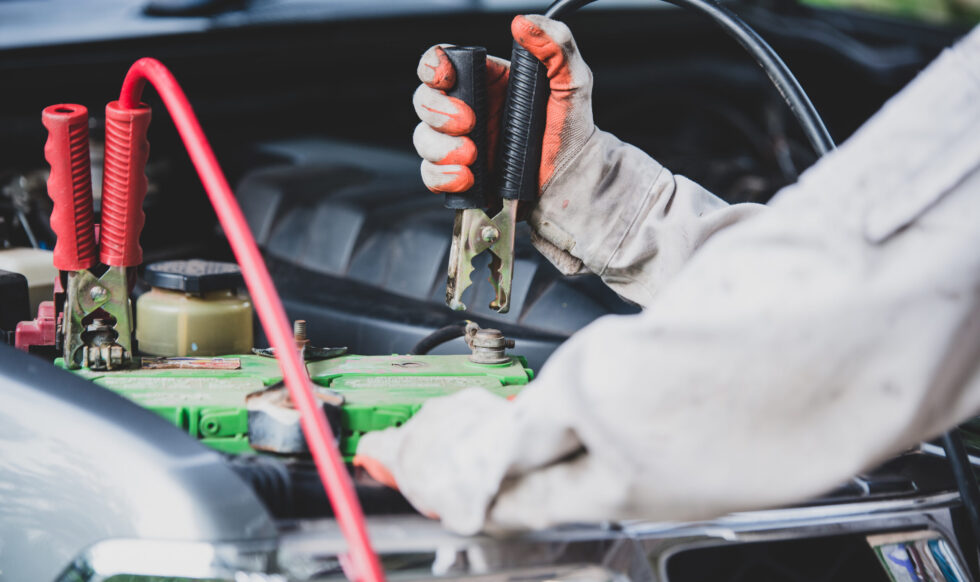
[(729, 526), (417, 548), (412, 547)]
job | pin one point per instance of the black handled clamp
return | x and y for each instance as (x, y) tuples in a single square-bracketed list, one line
[(516, 180)]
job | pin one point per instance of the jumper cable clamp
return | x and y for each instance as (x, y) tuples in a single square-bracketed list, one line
[(516, 174), (96, 330), (473, 230)]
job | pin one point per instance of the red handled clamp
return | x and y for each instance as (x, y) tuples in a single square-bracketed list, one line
[(97, 329)]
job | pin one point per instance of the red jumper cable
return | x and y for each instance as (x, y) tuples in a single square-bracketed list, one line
[(364, 561)]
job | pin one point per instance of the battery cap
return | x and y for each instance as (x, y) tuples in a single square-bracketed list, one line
[(194, 276)]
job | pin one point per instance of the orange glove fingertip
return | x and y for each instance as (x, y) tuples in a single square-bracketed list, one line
[(461, 122), (464, 155), (376, 470), (523, 29), (537, 42), (443, 74), (462, 181)]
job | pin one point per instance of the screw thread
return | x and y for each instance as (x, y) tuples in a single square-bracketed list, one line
[(299, 329)]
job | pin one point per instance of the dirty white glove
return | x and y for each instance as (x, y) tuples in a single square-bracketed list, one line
[(793, 350), (601, 199)]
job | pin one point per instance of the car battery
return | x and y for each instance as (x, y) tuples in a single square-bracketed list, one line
[(214, 399)]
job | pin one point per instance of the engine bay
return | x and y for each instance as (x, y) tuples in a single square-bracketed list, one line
[(318, 156)]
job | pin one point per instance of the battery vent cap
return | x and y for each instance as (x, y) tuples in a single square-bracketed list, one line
[(194, 276)]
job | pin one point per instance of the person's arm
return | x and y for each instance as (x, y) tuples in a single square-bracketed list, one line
[(623, 216), (792, 351), (605, 207)]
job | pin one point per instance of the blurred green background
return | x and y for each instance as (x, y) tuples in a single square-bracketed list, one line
[(939, 11)]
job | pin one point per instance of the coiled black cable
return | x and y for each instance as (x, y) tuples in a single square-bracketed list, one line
[(777, 71)]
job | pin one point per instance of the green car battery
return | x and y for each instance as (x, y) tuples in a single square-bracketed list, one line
[(206, 397)]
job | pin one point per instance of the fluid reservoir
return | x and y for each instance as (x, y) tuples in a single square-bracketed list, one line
[(193, 309)]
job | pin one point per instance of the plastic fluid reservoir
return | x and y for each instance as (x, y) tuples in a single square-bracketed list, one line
[(194, 309)]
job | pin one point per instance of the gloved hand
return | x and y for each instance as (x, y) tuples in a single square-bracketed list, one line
[(605, 207), (441, 136)]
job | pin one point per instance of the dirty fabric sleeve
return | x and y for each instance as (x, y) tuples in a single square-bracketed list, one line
[(616, 212), (793, 350)]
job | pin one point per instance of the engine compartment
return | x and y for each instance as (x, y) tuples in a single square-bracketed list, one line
[(285, 105), (319, 154)]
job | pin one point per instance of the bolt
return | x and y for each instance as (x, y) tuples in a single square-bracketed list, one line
[(489, 346), (489, 234), (116, 356), (489, 334), (97, 324), (99, 294), (299, 333)]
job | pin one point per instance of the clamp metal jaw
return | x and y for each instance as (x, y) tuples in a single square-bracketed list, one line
[(91, 341), (97, 327), (473, 233)]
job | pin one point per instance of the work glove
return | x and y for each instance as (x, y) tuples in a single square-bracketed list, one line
[(605, 207), (441, 139)]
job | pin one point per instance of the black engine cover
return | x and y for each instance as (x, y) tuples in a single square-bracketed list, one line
[(359, 248)]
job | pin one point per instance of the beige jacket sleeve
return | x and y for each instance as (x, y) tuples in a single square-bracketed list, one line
[(618, 213), (794, 349)]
